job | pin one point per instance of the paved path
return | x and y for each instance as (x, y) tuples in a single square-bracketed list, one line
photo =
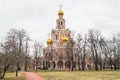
[(33, 76)]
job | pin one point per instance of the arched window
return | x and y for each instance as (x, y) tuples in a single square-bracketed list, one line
[(61, 22), (58, 24), (56, 36)]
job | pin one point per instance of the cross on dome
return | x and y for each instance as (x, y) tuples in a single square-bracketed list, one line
[(60, 7), (60, 12)]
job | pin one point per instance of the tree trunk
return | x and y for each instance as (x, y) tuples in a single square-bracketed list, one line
[(79, 65), (83, 63), (72, 57), (115, 67), (111, 63), (5, 69), (96, 58), (104, 66), (101, 66), (25, 65), (4, 72), (93, 54)]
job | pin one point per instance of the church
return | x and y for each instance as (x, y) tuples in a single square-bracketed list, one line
[(60, 53)]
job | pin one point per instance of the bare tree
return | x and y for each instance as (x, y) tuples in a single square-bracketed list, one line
[(13, 50), (17, 38), (118, 56), (37, 53), (102, 53), (116, 50), (84, 52), (5, 59), (26, 62), (79, 47), (109, 54), (94, 38), (82, 46), (12, 38)]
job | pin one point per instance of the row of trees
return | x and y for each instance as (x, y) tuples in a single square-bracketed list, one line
[(38, 49), (14, 52), (94, 48)]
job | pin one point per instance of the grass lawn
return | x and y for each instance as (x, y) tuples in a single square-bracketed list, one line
[(80, 75), (11, 76)]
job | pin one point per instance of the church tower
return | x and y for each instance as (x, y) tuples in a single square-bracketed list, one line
[(60, 21), (60, 32)]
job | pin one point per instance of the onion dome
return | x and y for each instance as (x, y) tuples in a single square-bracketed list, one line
[(73, 42), (60, 12), (49, 41), (65, 39)]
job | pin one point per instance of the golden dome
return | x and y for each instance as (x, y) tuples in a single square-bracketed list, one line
[(60, 12), (65, 39), (73, 42), (49, 41)]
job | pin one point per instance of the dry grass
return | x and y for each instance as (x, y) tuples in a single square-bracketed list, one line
[(81, 75), (11, 76)]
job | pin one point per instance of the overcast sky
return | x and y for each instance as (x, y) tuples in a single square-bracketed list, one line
[(38, 17)]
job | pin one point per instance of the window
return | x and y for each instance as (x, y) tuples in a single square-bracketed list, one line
[(58, 24), (61, 22), (56, 37)]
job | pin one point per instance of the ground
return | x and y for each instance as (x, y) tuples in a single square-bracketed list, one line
[(11, 76), (33, 76), (65, 75), (81, 75)]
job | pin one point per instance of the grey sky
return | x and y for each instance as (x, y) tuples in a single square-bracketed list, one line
[(38, 17)]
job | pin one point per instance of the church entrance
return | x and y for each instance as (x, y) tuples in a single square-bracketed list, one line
[(67, 65), (60, 65)]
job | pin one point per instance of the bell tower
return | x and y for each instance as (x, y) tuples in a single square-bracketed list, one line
[(60, 22)]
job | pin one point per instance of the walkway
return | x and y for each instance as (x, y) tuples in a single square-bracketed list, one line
[(33, 76)]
